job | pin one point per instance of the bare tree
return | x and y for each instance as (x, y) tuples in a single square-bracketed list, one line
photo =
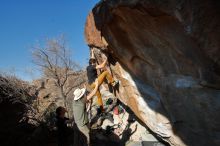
[(56, 63)]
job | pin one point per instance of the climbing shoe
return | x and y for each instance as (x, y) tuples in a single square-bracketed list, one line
[(100, 110), (115, 83), (109, 101)]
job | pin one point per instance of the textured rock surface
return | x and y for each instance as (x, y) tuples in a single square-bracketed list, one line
[(17, 117), (166, 55)]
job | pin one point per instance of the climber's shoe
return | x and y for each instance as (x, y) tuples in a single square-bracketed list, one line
[(115, 83)]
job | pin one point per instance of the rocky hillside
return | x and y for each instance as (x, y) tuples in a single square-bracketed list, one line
[(166, 55), (28, 109), (17, 116)]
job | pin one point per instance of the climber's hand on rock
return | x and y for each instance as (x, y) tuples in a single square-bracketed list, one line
[(92, 49)]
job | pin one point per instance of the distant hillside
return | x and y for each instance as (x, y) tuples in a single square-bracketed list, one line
[(48, 93)]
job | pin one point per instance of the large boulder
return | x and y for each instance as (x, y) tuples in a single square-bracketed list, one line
[(166, 55)]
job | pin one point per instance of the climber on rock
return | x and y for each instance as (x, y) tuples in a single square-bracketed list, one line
[(92, 76)]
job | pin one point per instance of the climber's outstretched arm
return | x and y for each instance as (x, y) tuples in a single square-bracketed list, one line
[(100, 66), (92, 53)]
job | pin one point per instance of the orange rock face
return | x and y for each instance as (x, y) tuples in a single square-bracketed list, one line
[(166, 55)]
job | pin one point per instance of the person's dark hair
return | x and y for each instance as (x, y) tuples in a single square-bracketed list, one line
[(59, 110), (91, 60)]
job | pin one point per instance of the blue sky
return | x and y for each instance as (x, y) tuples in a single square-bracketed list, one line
[(24, 22)]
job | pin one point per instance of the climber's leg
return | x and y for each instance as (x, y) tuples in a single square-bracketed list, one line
[(101, 78), (104, 75), (99, 100), (99, 97)]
